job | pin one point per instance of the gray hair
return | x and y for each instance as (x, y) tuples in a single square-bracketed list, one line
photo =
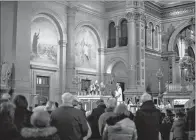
[(111, 103), (67, 98), (146, 97)]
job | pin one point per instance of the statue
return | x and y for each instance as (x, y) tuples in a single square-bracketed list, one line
[(35, 42), (6, 72)]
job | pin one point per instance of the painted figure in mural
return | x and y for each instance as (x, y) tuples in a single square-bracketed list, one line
[(35, 42), (118, 95), (5, 74), (97, 90)]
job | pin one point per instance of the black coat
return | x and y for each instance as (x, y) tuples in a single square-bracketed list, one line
[(8, 131), (22, 118), (70, 122), (190, 122), (93, 119), (147, 121), (47, 133)]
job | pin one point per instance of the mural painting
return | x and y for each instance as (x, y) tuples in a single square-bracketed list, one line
[(86, 46), (44, 40)]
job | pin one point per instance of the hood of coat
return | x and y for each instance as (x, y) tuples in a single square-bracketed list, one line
[(38, 132), (148, 106), (126, 126)]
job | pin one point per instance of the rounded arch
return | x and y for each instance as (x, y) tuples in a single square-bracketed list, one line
[(92, 27), (121, 19), (53, 17), (111, 63), (172, 39)]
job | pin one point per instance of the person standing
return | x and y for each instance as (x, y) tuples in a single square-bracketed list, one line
[(148, 119), (118, 94), (190, 122), (69, 121)]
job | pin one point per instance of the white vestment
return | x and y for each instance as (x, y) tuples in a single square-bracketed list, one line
[(119, 96)]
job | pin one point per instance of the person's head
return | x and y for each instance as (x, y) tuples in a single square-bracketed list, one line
[(67, 99), (169, 113), (7, 110), (5, 97), (100, 102), (111, 103), (40, 119), (49, 105), (180, 114), (56, 104), (20, 101), (121, 109), (145, 97), (117, 84)]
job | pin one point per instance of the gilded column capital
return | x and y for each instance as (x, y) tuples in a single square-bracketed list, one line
[(71, 11), (135, 16)]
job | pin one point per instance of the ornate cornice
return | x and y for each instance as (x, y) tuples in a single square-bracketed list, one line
[(178, 12), (135, 16)]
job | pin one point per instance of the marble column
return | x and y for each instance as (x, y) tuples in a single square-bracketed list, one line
[(173, 69), (131, 50), (153, 38), (62, 65), (117, 36), (70, 58)]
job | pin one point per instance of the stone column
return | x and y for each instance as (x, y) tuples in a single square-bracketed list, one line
[(117, 36), (70, 58), (62, 65), (173, 69), (131, 50), (153, 38)]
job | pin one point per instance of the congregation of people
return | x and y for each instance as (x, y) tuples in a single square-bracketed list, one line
[(108, 121)]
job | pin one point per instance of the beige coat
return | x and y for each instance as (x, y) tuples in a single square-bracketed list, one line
[(122, 130)]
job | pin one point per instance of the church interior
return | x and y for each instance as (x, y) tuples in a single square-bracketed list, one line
[(86, 47)]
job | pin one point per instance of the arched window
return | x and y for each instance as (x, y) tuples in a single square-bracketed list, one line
[(176, 50), (150, 35), (112, 35), (157, 39), (123, 30), (191, 52)]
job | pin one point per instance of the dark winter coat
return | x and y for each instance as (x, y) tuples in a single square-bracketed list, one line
[(190, 123), (147, 121), (70, 122), (178, 128), (8, 131), (47, 133), (22, 118), (93, 120), (166, 127)]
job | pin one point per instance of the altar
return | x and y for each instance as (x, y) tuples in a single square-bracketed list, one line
[(89, 101)]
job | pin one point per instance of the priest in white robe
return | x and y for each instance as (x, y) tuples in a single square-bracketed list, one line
[(118, 95)]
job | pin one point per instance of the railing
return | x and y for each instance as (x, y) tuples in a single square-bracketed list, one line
[(123, 41), (179, 87), (111, 43)]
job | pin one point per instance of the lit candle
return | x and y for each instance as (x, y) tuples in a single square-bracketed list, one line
[(84, 106)]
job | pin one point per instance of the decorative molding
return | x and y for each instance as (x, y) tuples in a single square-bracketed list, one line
[(81, 72), (178, 12), (113, 50), (48, 68)]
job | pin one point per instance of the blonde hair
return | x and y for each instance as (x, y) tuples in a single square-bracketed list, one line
[(121, 109)]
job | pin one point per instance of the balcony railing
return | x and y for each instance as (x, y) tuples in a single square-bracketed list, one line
[(179, 87), (111, 43), (123, 41)]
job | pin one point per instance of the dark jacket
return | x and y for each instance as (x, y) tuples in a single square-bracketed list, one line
[(166, 127), (178, 128), (93, 120), (120, 128), (102, 119), (47, 133), (147, 121), (8, 131), (22, 118), (190, 122), (70, 122)]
